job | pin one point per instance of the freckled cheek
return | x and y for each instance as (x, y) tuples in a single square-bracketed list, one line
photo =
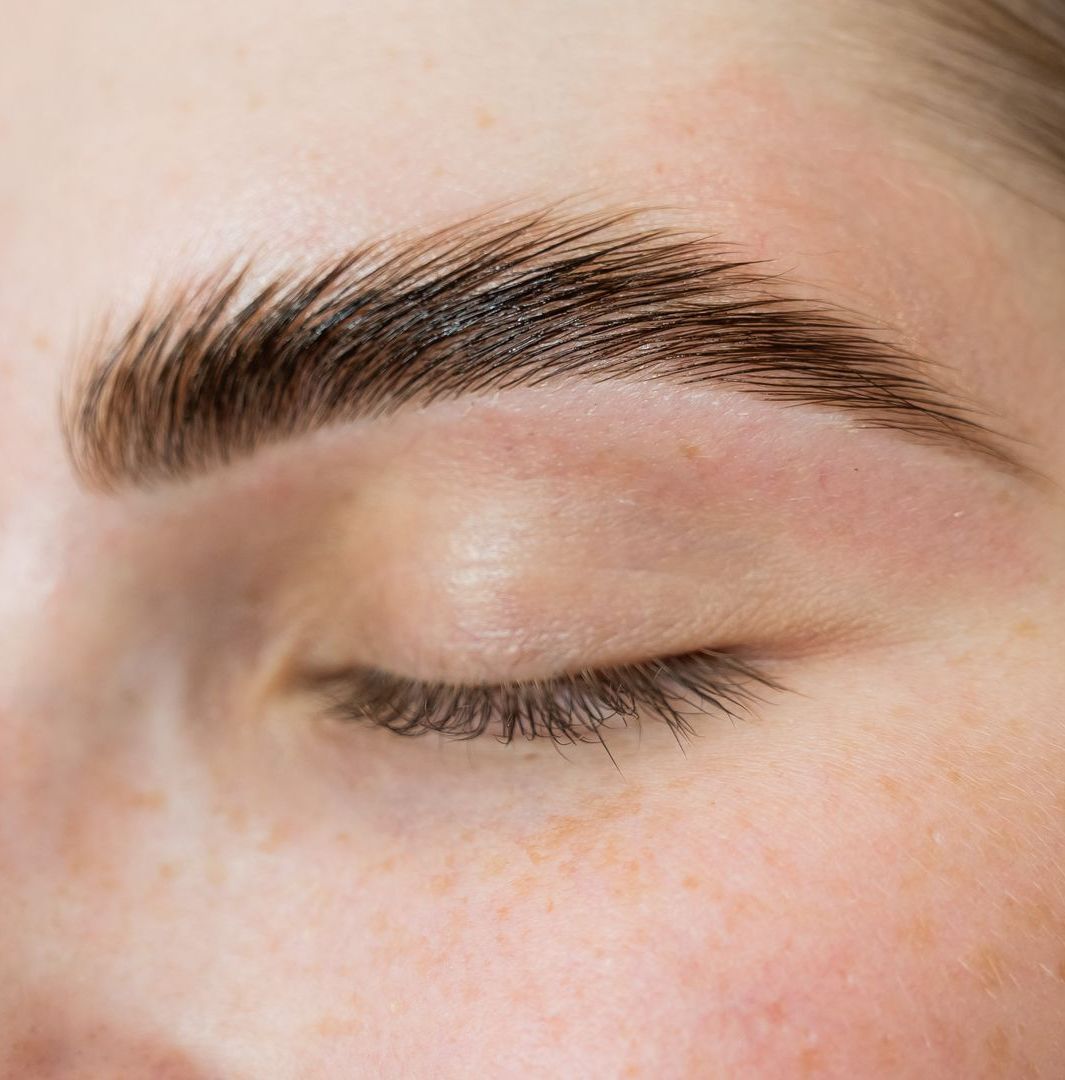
[(619, 964), (859, 949)]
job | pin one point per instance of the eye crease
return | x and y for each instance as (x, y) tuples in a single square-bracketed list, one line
[(566, 709)]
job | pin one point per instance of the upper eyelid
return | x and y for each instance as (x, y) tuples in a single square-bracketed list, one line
[(212, 374)]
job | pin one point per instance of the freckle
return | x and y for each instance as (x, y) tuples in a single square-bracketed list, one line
[(609, 854), (771, 856), (337, 1026), (342, 837), (810, 1061), (549, 906), (740, 910), (236, 818), (987, 965), (887, 1054), (503, 911), (892, 787), (255, 102), (167, 871), (497, 864), (556, 1024), (582, 834), (998, 1046), (1026, 629), (441, 884), (774, 1012), (690, 882), (957, 659), (921, 932), (41, 342), (1039, 914), (687, 450), (146, 800), (523, 885), (484, 119), (277, 837), (428, 63)]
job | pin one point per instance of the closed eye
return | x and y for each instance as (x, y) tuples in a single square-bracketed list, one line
[(566, 709)]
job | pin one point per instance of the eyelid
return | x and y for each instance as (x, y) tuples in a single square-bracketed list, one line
[(565, 709)]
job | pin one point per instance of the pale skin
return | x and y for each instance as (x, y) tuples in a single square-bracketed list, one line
[(201, 879)]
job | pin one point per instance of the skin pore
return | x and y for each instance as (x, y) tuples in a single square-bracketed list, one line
[(205, 877)]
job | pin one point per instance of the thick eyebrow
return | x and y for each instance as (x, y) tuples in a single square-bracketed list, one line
[(219, 369)]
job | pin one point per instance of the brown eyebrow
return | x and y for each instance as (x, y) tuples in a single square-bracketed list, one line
[(218, 370)]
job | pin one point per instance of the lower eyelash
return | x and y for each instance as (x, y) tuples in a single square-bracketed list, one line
[(566, 709)]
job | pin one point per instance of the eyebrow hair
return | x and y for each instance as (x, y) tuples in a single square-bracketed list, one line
[(216, 370)]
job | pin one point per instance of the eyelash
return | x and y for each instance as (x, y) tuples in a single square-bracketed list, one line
[(566, 709)]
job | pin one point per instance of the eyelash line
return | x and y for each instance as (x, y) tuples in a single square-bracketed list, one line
[(566, 709)]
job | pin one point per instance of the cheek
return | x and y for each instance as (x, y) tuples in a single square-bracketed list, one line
[(865, 904), (728, 953)]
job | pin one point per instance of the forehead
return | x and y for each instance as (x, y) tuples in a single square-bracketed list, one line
[(163, 136), (162, 140), (398, 109)]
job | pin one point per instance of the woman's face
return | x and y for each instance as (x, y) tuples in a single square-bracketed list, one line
[(859, 875)]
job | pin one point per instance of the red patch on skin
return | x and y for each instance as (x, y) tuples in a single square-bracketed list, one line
[(49, 1041)]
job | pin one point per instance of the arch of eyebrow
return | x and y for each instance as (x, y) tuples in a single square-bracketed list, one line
[(219, 369)]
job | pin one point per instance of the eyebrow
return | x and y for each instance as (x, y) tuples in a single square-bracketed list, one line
[(214, 371)]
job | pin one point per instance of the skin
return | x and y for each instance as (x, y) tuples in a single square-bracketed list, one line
[(202, 878)]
